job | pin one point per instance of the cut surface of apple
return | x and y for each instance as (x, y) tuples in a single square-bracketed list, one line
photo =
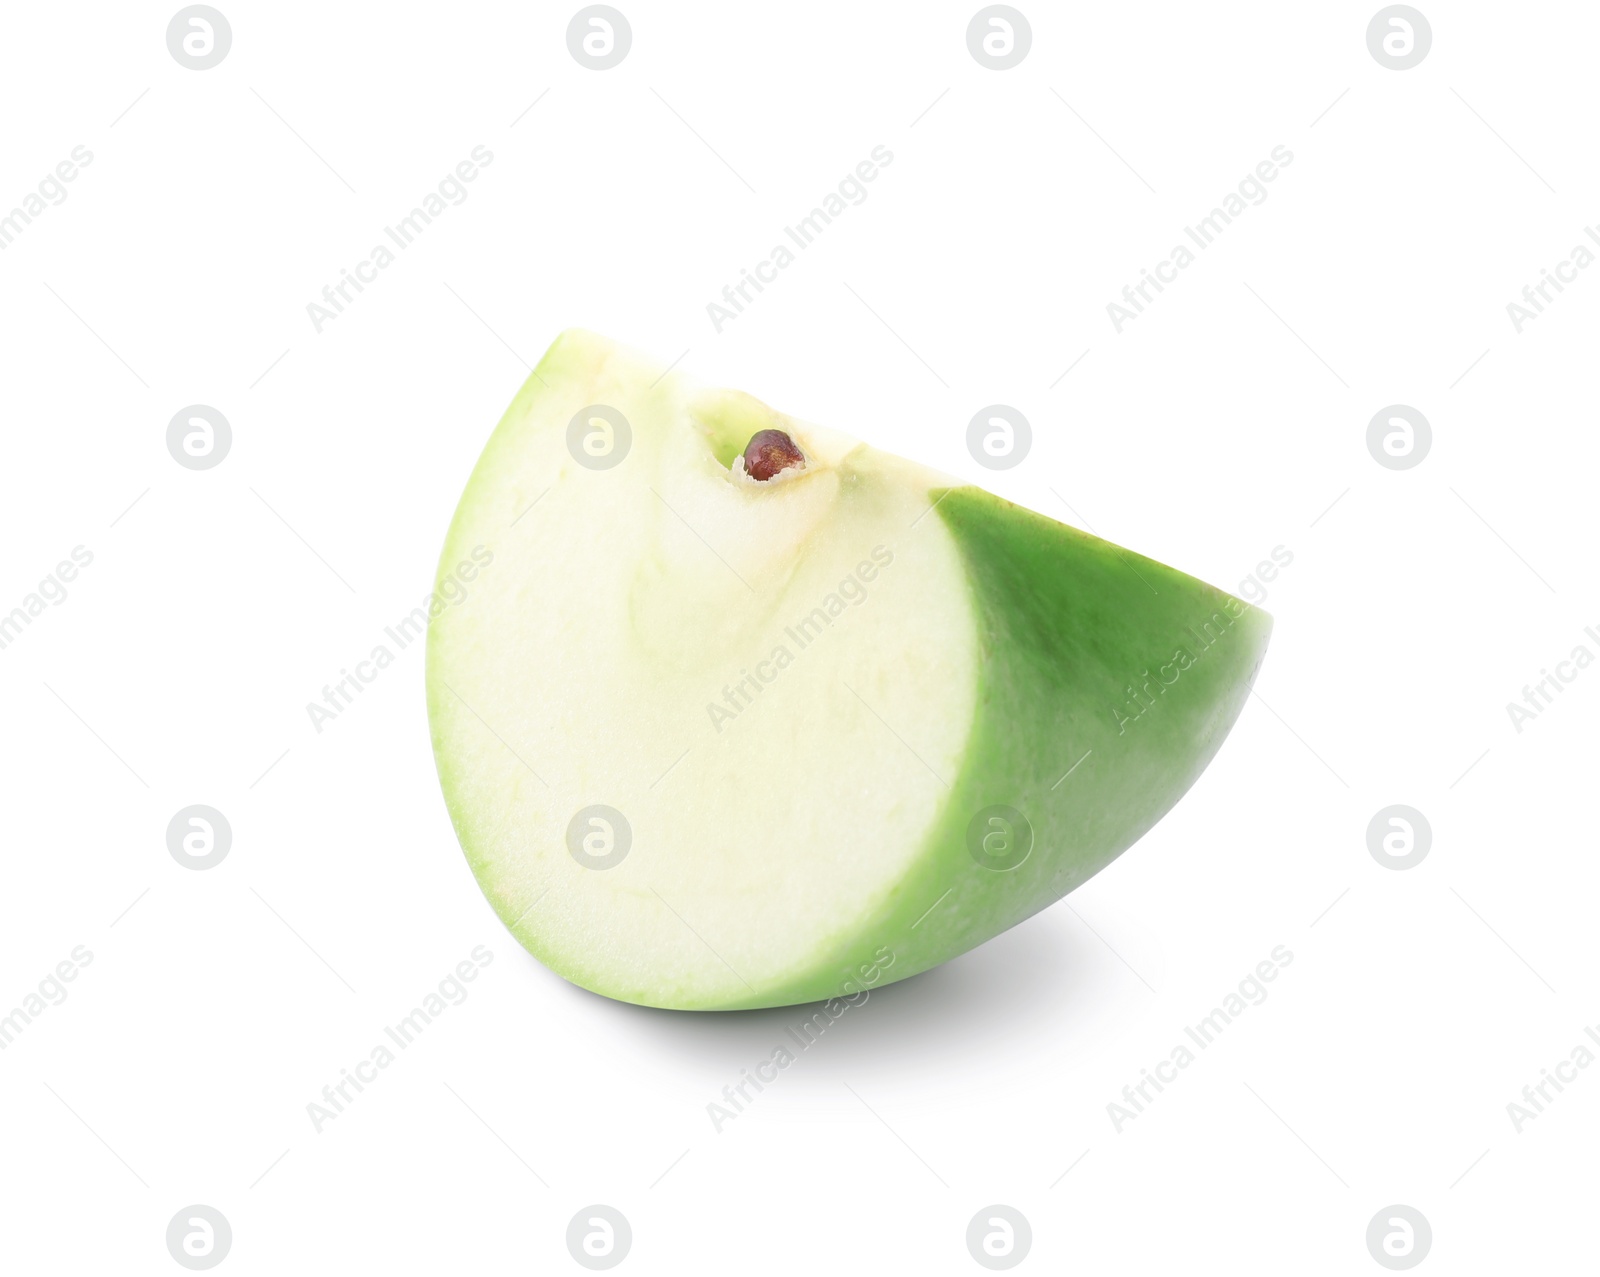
[(716, 742)]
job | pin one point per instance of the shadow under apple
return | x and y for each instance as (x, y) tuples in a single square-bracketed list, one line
[(1045, 980)]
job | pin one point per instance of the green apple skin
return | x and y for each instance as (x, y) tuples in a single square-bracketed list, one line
[(1080, 685), (1065, 615)]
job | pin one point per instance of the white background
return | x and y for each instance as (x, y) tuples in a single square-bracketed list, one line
[(1224, 422)]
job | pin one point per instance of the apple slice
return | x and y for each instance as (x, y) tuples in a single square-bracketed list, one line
[(719, 731)]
